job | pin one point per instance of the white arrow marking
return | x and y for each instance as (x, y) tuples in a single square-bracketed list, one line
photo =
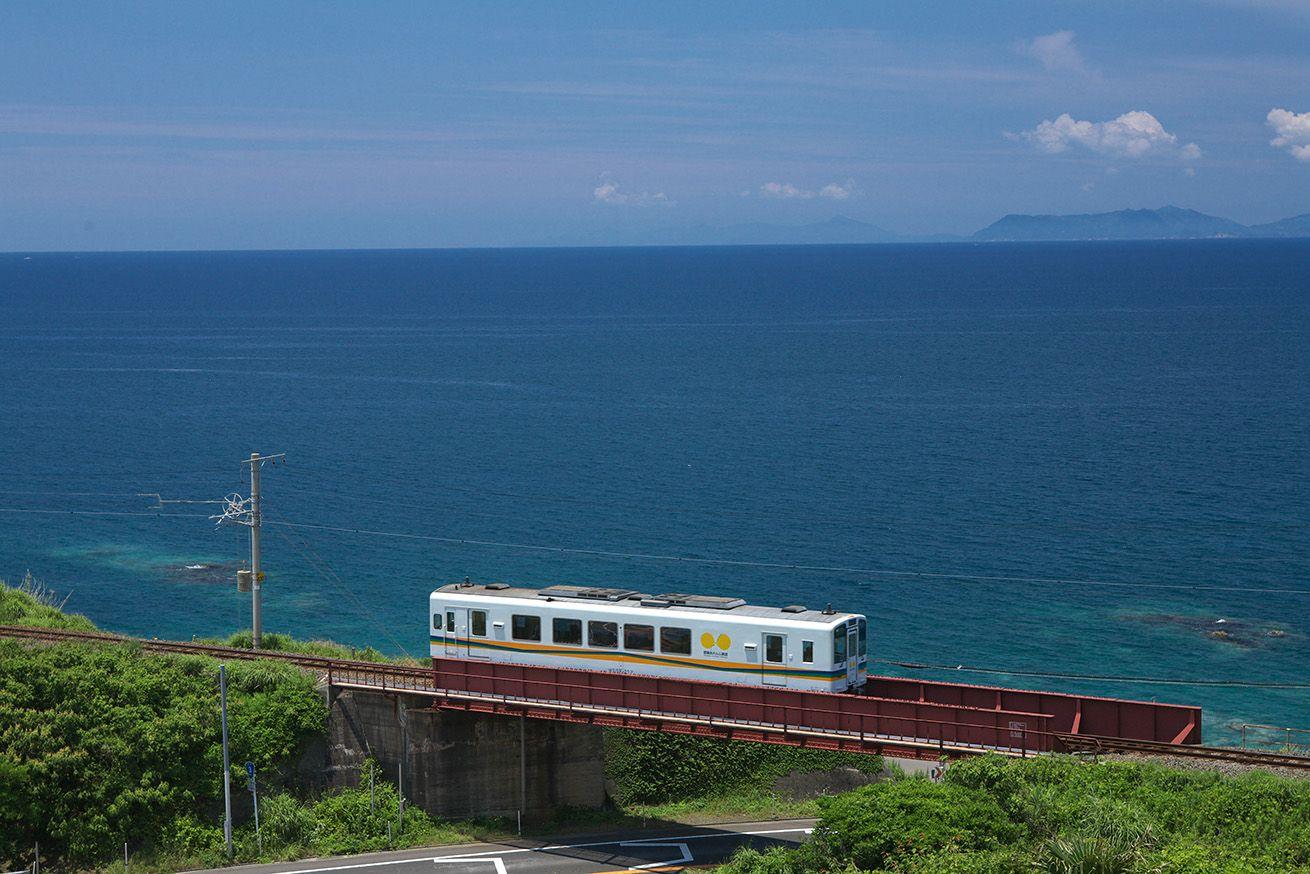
[(685, 857)]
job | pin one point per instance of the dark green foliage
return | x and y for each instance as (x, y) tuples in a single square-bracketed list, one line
[(345, 821), (651, 767), (1059, 815), (910, 818), (1258, 817), (102, 744)]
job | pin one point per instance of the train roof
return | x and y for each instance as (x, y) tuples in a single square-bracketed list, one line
[(631, 598)]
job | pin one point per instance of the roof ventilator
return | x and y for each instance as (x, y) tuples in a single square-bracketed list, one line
[(707, 602), (585, 593)]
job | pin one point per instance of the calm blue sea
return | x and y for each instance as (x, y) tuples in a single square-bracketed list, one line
[(977, 433)]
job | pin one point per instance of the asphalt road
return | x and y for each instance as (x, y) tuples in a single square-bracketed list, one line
[(632, 851)]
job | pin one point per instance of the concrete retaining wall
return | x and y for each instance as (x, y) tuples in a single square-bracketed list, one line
[(460, 764)]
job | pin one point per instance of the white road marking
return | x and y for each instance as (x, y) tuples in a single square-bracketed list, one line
[(684, 857), (361, 865), (495, 860), (482, 856), (620, 841)]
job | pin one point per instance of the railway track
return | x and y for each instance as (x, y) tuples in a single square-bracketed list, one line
[(411, 678), (1100, 745)]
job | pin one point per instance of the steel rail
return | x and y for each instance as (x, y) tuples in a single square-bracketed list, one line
[(411, 679), (1099, 745)]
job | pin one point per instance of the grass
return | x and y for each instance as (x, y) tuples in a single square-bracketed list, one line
[(32, 603), (746, 804)]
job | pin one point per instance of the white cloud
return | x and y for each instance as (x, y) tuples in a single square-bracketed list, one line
[(1056, 51), (1135, 134), (608, 191), (837, 192), (1293, 132), (787, 191)]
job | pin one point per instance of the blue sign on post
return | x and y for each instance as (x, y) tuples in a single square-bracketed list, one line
[(254, 796)]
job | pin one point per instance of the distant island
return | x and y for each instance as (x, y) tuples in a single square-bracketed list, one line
[(1165, 223)]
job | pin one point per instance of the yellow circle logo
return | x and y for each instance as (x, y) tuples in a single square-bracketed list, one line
[(724, 641), (707, 640)]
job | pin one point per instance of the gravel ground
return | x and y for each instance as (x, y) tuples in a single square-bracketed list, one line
[(1229, 769)]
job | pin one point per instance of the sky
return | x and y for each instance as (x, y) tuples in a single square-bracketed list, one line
[(188, 125)]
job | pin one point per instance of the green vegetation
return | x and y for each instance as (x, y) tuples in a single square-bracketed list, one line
[(345, 821), (105, 744), (1056, 815), (31, 603), (325, 648), (671, 776)]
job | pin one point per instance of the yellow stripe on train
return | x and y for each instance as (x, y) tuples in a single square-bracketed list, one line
[(638, 659)]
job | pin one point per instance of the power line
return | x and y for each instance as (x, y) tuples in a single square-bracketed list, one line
[(156, 515), (766, 565), (824, 520), (321, 566), (47, 494), (1104, 678)]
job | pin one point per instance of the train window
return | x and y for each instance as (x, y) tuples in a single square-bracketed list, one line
[(568, 631), (479, 622), (639, 637), (675, 640), (450, 620), (436, 621), (807, 651), (864, 639), (525, 627), (603, 634), (839, 645)]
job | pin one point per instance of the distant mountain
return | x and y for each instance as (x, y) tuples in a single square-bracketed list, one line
[(1296, 226), (1166, 223)]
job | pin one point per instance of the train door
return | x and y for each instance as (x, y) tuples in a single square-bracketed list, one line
[(457, 632), (775, 655), (852, 656)]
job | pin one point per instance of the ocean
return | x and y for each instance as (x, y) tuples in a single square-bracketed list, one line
[(1085, 459)]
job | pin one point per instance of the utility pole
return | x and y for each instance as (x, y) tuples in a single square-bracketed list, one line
[(249, 512), (257, 576), (227, 771)]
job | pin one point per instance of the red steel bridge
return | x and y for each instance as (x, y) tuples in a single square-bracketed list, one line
[(894, 715)]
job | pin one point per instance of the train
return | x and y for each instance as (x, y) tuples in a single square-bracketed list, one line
[(680, 636)]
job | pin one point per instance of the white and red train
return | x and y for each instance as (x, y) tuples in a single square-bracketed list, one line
[(692, 637)]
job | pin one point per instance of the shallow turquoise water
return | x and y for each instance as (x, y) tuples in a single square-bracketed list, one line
[(1119, 413)]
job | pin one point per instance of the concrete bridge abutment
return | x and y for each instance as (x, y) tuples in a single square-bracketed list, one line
[(455, 764)]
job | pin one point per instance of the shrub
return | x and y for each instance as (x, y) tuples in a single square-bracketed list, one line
[(104, 744), (886, 821)]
